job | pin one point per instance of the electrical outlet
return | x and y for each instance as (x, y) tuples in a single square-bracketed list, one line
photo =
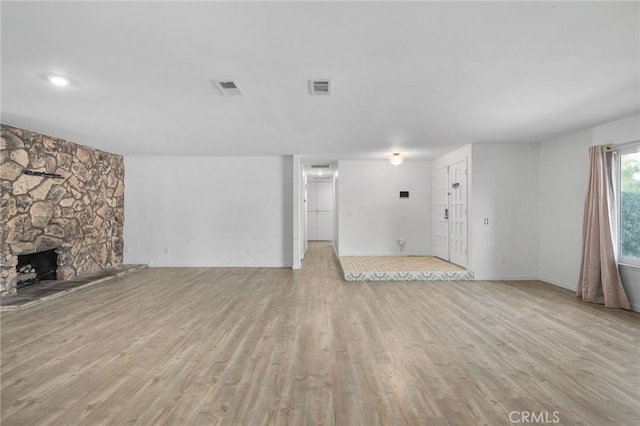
[(486, 220), (166, 250), (247, 250), (503, 260)]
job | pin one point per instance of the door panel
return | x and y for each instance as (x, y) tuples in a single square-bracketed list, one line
[(440, 204), (450, 213), (458, 213), (312, 190), (324, 226), (312, 226), (324, 194)]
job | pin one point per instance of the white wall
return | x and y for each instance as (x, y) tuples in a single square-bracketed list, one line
[(336, 212), (209, 211), (505, 191), (298, 216), (563, 174), (371, 215), (456, 156), (303, 212)]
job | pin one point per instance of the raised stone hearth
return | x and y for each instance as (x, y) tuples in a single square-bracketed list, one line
[(70, 199)]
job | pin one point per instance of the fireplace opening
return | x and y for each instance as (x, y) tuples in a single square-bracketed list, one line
[(36, 267)]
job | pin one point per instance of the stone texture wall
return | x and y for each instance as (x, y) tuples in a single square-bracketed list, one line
[(81, 215)]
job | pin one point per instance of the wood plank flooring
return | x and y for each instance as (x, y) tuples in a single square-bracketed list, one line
[(259, 346)]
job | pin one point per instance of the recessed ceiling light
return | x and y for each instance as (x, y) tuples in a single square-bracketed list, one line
[(57, 80)]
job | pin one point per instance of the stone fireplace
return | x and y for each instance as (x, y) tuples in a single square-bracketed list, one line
[(57, 195)]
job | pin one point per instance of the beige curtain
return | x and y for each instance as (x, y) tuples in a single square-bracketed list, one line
[(599, 277)]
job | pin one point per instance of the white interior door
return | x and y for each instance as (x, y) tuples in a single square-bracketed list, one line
[(450, 213), (440, 212), (458, 213), (320, 210)]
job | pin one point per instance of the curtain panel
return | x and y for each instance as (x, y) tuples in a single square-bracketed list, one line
[(599, 277)]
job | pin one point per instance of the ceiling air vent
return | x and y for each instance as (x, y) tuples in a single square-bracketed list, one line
[(229, 87), (321, 166), (320, 87)]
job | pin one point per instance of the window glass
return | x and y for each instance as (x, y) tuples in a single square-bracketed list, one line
[(630, 205)]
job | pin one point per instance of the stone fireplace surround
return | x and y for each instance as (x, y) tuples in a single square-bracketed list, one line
[(80, 215)]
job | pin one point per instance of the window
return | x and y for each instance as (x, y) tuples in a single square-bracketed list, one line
[(628, 196)]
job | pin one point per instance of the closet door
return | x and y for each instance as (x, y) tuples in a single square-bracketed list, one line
[(320, 211)]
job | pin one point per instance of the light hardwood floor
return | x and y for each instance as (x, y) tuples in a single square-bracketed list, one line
[(262, 346)]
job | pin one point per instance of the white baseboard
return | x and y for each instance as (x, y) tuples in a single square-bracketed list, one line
[(559, 284), (504, 278), (151, 264)]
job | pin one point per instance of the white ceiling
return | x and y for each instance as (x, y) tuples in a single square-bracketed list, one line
[(416, 77)]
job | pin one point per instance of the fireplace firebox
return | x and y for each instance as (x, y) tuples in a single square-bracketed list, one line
[(36, 267)]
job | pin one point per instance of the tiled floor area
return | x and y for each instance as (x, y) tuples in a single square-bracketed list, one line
[(47, 290), (401, 268)]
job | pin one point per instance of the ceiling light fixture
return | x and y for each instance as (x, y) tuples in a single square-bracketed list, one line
[(57, 80), (396, 158)]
